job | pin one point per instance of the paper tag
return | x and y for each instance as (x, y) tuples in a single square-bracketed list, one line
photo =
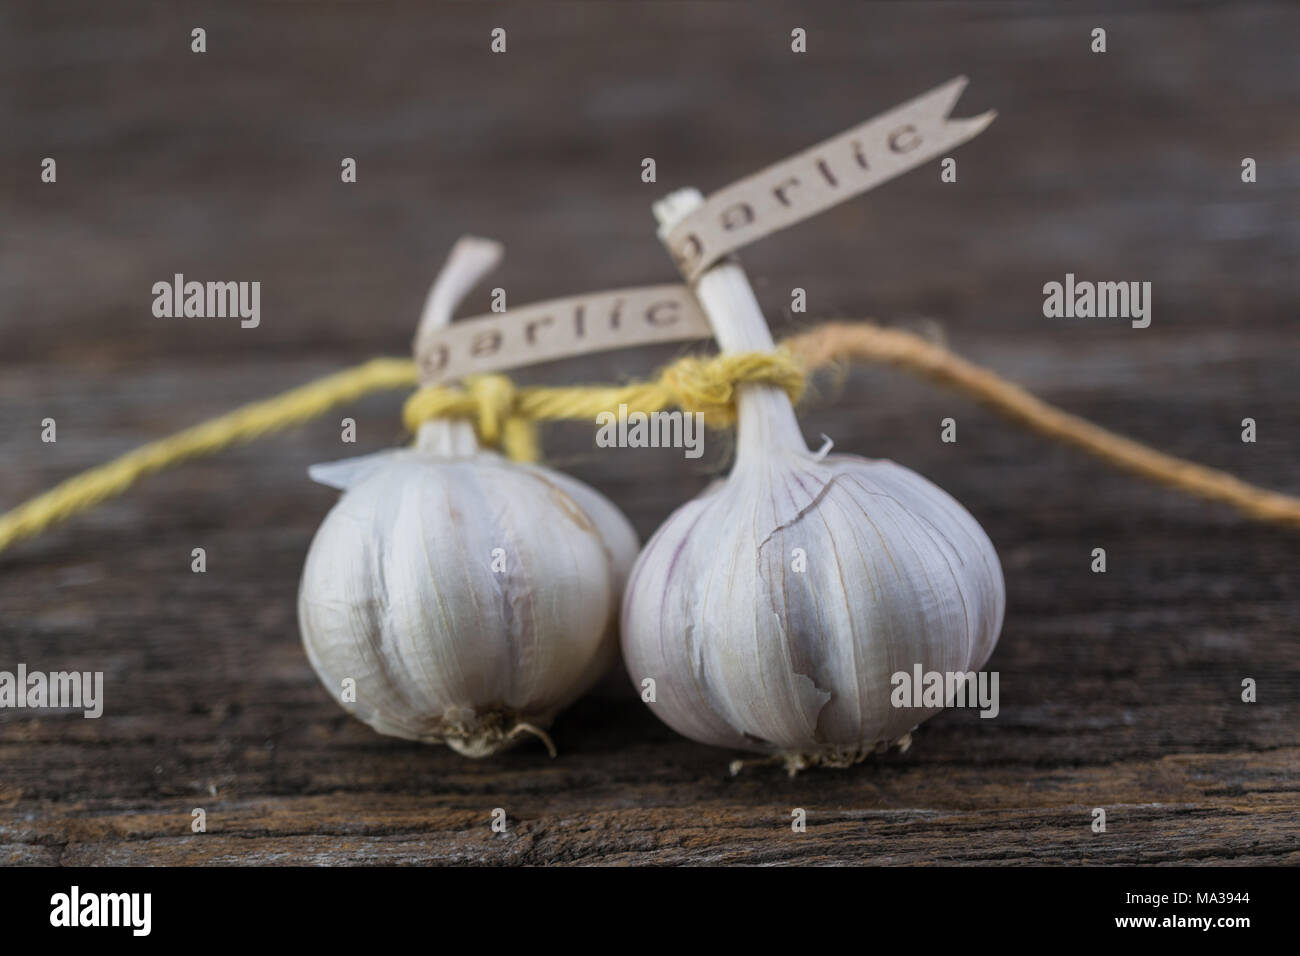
[(795, 189), (816, 179), (559, 328)]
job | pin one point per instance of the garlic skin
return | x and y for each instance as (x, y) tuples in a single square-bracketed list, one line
[(399, 592), (748, 651), (467, 597)]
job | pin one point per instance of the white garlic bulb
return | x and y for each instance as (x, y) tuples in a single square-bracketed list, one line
[(772, 611), (454, 596)]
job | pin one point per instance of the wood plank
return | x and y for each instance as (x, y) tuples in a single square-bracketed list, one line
[(1119, 691)]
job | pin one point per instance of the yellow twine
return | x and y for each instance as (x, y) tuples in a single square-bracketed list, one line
[(243, 424), (506, 416)]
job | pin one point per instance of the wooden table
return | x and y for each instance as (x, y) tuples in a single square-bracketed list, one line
[(1119, 690)]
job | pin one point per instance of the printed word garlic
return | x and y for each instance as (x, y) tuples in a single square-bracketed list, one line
[(454, 596), (772, 611)]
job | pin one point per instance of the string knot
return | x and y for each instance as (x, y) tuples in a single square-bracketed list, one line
[(490, 401), (495, 398), (709, 385), (505, 416)]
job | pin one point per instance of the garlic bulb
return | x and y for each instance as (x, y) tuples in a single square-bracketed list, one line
[(454, 596), (772, 611)]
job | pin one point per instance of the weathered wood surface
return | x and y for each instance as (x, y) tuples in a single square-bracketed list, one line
[(1118, 691)]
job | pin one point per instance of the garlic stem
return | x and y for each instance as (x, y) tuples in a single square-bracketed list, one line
[(765, 417), (470, 259)]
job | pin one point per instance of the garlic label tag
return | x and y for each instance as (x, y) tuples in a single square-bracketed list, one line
[(802, 186), (813, 181), (558, 328)]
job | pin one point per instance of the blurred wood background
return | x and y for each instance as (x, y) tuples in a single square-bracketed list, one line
[(1119, 691)]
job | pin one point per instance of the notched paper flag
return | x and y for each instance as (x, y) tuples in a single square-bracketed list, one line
[(559, 328), (816, 179)]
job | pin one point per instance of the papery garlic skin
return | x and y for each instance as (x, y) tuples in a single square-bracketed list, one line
[(399, 593), (748, 653), (465, 599)]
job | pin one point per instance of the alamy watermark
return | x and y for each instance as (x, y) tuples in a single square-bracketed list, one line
[(934, 689), (209, 300), (57, 690), (133, 911), (1099, 300), (651, 430)]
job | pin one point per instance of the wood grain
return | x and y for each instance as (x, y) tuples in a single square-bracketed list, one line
[(1119, 691)]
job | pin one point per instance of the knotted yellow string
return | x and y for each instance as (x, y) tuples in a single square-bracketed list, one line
[(506, 416)]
